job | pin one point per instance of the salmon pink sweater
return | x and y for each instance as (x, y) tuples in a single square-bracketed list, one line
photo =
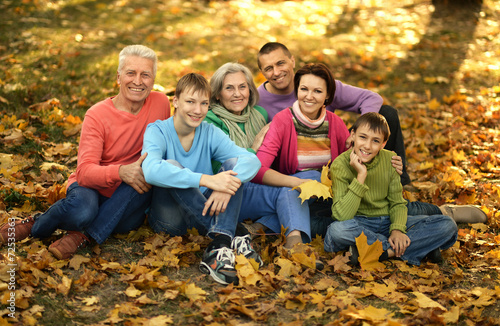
[(111, 138)]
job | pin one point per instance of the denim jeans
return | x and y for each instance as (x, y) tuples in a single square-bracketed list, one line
[(86, 209), (321, 214), (279, 206), (274, 207), (175, 210), (425, 232)]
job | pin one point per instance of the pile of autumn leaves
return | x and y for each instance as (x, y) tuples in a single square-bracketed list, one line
[(453, 157)]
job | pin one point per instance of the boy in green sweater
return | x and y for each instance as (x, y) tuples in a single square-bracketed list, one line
[(367, 197)]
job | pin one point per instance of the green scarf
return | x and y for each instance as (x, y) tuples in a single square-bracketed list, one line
[(252, 119)]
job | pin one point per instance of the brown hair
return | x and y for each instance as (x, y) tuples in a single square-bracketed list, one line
[(194, 82), (320, 70), (375, 122)]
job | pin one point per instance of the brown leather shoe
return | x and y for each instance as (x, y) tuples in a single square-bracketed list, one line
[(66, 247), (464, 213), (19, 230)]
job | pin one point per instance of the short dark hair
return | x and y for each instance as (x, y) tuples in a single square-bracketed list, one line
[(320, 70), (192, 82), (270, 47), (375, 122)]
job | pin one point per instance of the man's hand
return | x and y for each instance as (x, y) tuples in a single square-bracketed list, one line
[(132, 175), (397, 163), (259, 138), (217, 203), (349, 141), (226, 182), (399, 242)]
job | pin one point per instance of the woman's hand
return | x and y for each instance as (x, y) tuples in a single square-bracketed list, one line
[(399, 242), (259, 138), (397, 163)]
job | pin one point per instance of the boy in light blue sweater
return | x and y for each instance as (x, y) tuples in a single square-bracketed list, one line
[(186, 193)]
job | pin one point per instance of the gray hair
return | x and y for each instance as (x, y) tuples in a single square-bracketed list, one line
[(217, 81), (138, 51)]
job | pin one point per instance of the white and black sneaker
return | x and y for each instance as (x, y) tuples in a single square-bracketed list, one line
[(219, 264), (243, 246)]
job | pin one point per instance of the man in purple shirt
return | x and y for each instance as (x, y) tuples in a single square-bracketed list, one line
[(277, 65)]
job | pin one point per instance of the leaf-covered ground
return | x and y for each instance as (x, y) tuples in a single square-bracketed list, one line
[(437, 65)]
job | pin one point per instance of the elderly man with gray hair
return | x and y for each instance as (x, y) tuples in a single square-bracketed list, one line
[(107, 193)]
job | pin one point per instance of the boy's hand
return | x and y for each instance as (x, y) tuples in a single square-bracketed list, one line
[(397, 163), (358, 166), (224, 182), (399, 242), (217, 203)]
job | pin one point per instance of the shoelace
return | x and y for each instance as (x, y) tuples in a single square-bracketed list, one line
[(224, 254), (242, 245)]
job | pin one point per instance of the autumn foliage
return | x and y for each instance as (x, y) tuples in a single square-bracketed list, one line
[(433, 68)]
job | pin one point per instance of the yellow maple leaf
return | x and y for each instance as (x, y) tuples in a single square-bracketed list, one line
[(77, 260), (159, 321), (426, 302), (339, 263), (452, 316), (372, 314), (304, 259), (91, 301), (192, 292), (325, 175), (170, 294), (64, 286), (296, 302), (288, 268), (247, 270), (313, 188), (434, 104), (369, 254), (132, 292)]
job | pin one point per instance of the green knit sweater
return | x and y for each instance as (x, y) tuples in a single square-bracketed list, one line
[(380, 195), (215, 120)]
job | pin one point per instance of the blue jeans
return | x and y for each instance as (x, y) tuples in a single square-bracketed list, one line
[(279, 206), (175, 210), (321, 214), (274, 207), (425, 232), (85, 209)]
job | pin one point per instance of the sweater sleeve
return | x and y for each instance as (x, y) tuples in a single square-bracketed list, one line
[(347, 191), (270, 148), (355, 99), (398, 210), (89, 172)]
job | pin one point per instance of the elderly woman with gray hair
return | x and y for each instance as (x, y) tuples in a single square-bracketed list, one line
[(233, 109)]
